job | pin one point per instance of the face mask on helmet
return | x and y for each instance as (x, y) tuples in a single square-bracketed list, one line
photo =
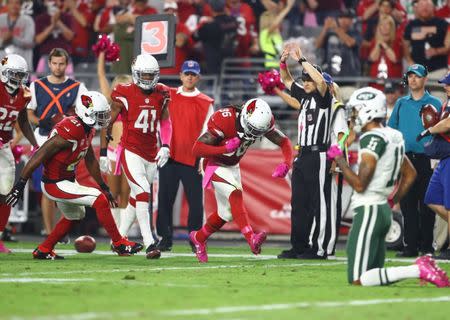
[(93, 109), (145, 71), (366, 105), (256, 118), (14, 72)]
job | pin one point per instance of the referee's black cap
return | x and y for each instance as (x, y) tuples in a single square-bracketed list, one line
[(306, 76)]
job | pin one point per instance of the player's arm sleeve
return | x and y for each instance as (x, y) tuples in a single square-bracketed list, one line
[(372, 144), (208, 116), (32, 105)]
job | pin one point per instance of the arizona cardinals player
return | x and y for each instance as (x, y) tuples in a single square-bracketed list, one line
[(231, 131), (69, 142), (142, 104), (14, 97)]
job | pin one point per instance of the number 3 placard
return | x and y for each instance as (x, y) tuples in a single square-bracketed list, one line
[(155, 34)]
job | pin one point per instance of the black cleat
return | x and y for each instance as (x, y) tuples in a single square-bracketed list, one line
[(41, 255), (124, 247), (164, 245), (289, 254), (152, 252)]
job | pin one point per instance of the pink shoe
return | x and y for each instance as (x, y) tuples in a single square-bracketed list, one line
[(429, 272), (256, 241), (3, 248), (200, 248)]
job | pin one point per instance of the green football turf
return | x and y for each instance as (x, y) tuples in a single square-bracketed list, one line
[(233, 285)]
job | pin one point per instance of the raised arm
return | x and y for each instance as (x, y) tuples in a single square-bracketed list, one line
[(26, 128), (286, 76)]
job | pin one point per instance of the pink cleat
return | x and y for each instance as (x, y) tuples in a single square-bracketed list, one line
[(429, 272), (3, 248), (256, 241), (200, 248)]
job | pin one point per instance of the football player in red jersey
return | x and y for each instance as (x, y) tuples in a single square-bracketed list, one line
[(14, 97), (142, 104), (230, 133), (69, 142)]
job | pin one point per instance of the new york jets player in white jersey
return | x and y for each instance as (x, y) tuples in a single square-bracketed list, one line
[(383, 166)]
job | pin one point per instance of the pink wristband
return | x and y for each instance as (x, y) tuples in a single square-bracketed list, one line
[(283, 66)]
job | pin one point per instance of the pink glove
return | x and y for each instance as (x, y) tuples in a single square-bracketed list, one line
[(281, 170), (333, 152), (232, 144), (17, 152)]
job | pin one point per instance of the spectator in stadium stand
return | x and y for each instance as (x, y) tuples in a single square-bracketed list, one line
[(418, 218), (189, 111), (193, 12), (368, 9), (325, 8), (53, 30), (52, 97), (393, 92), (437, 196), (17, 32), (124, 33), (106, 18), (82, 20), (311, 205), (218, 36), (444, 11), (427, 40), (247, 34), (386, 52), (260, 6), (270, 39), (183, 40), (117, 181), (340, 42), (385, 8)]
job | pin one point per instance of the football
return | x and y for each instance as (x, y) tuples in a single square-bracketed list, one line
[(430, 116), (85, 244)]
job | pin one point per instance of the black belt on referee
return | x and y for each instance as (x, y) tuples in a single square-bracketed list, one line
[(313, 148), (47, 180)]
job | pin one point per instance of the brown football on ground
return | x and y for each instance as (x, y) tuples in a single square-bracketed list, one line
[(85, 244)]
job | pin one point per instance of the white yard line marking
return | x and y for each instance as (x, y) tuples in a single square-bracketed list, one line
[(187, 268), (228, 310), (318, 304), (43, 280)]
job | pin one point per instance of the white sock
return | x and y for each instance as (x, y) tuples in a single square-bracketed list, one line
[(143, 218), (128, 215), (385, 276), (116, 215)]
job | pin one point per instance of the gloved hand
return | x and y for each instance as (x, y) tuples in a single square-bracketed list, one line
[(333, 152), (281, 170), (423, 134), (232, 144), (108, 194), (16, 192), (105, 165), (162, 156)]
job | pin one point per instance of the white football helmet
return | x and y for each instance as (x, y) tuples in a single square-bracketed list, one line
[(145, 71), (93, 109), (13, 72), (256, 118), (366, 104)]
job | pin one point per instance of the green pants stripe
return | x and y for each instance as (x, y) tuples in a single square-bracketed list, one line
[(365, 246)]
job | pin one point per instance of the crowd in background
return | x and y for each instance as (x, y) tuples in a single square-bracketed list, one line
[(376, 38)]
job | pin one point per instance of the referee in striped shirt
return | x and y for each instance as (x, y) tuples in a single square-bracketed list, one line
[(311, 177)]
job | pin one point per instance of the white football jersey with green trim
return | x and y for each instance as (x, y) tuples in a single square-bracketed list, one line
[(388, 147)]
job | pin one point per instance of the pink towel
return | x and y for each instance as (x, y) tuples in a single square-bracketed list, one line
[(119, 151), (211, 167)]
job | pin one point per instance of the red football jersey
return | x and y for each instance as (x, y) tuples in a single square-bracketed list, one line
[(223, 124), (9, 110), (140, 116), (63, 164), (246, 30)]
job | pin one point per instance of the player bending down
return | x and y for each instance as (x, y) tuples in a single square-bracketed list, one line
[(382, 163), (69, 142), (230, 133)]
